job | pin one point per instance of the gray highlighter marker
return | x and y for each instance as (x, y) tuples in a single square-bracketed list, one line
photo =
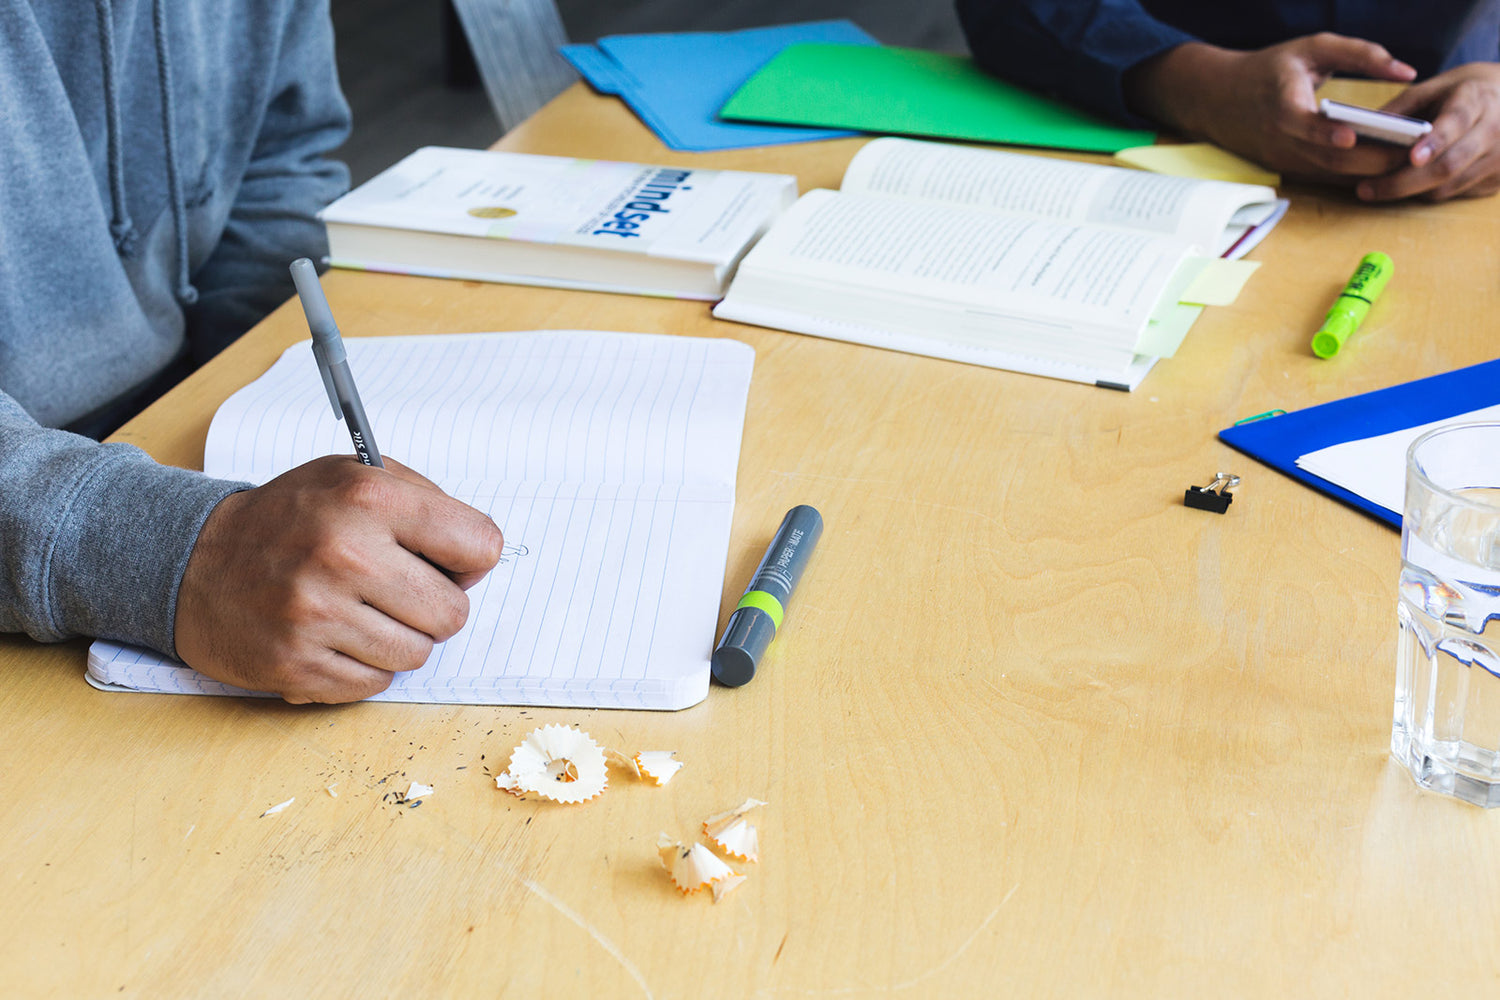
[(758, 615), (333, 362)]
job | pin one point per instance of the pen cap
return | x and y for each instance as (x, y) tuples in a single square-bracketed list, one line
[(745, 641), (320, 322)]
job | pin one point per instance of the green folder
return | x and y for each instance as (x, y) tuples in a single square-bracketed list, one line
[(912, 92)]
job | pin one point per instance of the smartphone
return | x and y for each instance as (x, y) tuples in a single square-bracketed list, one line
[(1381, 125)]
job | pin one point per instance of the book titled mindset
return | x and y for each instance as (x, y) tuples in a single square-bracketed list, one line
[(549, 220)]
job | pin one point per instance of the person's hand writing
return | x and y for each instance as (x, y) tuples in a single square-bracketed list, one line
[(322, 583), (1460, 157), (1263, 105)]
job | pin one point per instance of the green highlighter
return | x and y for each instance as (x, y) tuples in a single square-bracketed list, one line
[(1354, 301)]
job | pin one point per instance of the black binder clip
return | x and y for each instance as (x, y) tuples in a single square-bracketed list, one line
[(1215, 496)]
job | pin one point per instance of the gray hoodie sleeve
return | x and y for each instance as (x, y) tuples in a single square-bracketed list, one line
[(96, 537)]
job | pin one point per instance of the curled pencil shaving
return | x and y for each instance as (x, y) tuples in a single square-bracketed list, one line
[(658, 765), (559, 763), (733, 834), (416, 790), (726, 885), (506, 782), (624, 762), (694, 867)]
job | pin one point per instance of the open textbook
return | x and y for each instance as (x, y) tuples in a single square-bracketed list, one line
[(608, 459), (551, 220), (1036, 264)]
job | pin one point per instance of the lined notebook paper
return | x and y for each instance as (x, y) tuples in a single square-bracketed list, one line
[(608, 459)]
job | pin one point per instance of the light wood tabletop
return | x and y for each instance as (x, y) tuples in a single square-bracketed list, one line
[(1032, 727)]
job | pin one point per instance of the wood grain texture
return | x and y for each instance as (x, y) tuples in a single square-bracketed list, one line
[(1032, 727)]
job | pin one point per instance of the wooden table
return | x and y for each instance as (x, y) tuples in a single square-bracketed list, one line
[(1033, 727)]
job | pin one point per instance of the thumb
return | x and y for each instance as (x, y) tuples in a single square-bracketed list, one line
[(1329, 53)]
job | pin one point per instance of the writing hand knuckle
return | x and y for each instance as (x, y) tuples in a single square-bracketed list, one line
[(375, 683), (367, 492), (418, 652), (302, 607), (456, 613)]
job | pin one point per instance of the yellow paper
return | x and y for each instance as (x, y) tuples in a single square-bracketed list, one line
[(1197, 159), (1219, 282)]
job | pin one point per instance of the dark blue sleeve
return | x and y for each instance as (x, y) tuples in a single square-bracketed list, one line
[(1075, 50)]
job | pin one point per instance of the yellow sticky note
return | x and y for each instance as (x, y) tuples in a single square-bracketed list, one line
[(1197, 159), (1219, 282)]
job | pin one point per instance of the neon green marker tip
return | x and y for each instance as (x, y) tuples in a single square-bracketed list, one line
[(1353, 303)]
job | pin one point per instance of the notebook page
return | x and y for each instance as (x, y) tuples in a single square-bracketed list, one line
[(607, 593), (563, 406)]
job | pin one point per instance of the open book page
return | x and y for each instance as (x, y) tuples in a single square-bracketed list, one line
[(607, 459), (1204, 213), (1054, 290)]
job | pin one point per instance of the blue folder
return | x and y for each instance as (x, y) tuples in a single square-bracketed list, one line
[(677, 82), (1278, 441)]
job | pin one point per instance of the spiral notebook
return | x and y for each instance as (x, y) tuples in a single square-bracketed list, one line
[(608, 459)]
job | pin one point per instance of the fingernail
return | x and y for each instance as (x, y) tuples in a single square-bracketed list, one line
[(1421, 155), (1364, 192)]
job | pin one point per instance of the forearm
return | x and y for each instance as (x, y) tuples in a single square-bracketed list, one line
[(1178, 89), (1079, 51), (93, 538)]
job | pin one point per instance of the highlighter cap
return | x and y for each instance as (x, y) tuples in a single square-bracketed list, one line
[(1336, 329)]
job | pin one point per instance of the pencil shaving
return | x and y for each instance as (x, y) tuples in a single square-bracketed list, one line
[(416, 790), (693, 867), (559, 763), (278, 807), (658, 765), (655, 765), (733, 834), (506, 782), (625, 763), (726, 885)]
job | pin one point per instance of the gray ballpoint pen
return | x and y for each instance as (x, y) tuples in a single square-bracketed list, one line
[(333, 362)]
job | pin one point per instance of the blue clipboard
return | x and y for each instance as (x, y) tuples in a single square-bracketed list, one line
[(1278, 441)]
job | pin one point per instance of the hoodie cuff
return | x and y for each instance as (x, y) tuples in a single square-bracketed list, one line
[(123, 546)]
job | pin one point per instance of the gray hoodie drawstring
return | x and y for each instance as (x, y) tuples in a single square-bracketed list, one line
[(186, 293), (120, 226)]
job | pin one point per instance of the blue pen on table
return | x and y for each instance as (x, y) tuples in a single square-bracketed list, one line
[(333, 362), (758, 615)]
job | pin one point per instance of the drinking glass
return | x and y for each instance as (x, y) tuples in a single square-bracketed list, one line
[(1446, 728)]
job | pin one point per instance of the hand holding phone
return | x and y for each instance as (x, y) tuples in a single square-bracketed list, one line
[(1380, 125)]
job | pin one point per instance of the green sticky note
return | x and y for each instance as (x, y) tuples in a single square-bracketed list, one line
[(912, 92), (1168, 326), (1171, 318)]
